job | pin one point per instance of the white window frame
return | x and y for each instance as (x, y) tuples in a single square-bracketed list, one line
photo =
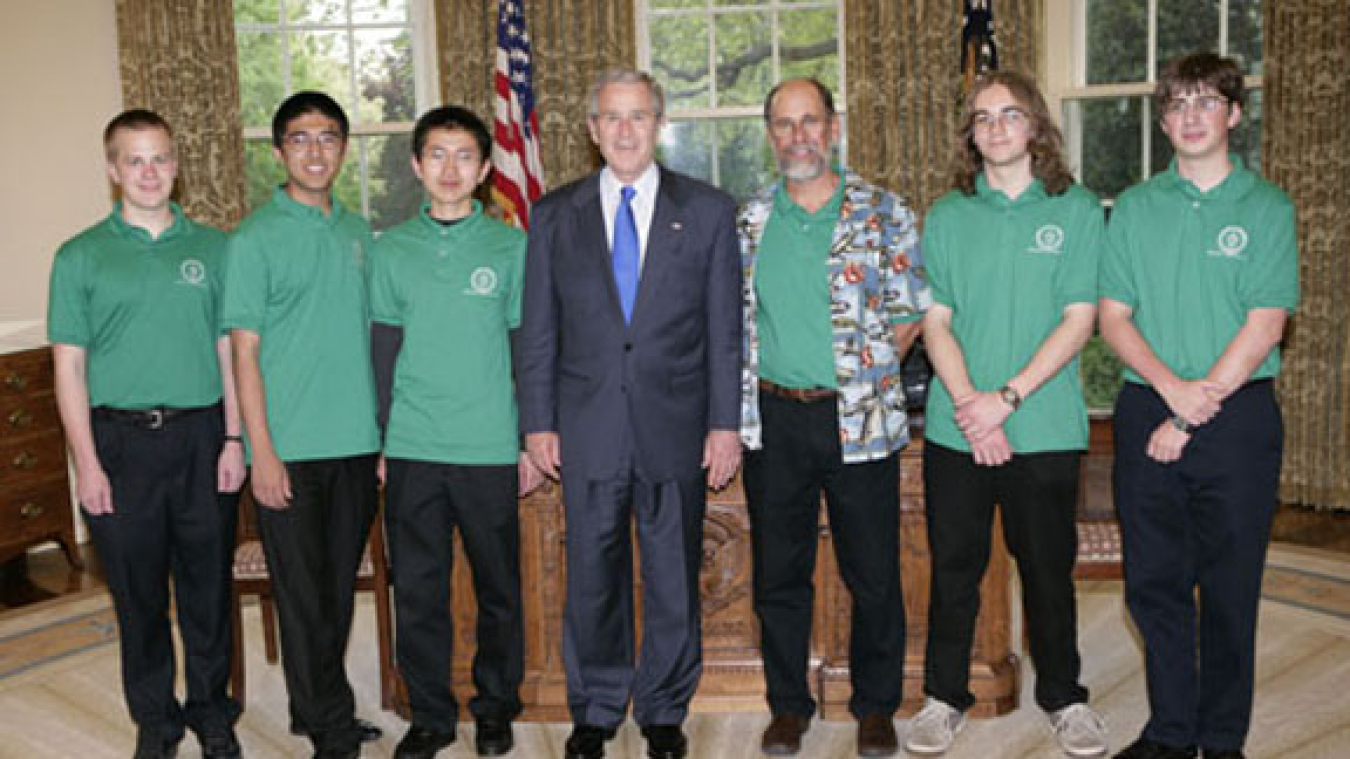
[(1064, 61), (645, 12), (421, 25)]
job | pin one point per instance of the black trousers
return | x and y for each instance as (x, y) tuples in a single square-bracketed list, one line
[(167, 522), (425, 503), (1198, 527), (783, 483), (314, 549), (604, 670), (1037, 494)]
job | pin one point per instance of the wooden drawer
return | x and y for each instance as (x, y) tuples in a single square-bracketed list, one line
[(35, 511), (23, 415), (31, 458), (26, 373)]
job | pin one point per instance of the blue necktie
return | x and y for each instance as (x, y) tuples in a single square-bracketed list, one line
[(627, 253)]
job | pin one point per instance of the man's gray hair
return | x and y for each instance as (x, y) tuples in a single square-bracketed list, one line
[(626, 76)]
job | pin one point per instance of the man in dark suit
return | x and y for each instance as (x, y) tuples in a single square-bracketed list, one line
[(630, 349)]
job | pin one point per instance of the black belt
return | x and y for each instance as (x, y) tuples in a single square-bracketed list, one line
[(800, 395), (151, 418)]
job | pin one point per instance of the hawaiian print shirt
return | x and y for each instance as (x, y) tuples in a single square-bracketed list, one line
[(877, 280)]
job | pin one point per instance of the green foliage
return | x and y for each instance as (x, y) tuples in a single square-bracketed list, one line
[(1101, 373)]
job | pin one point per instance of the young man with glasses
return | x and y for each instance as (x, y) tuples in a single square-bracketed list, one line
[(1199, 277), (295, 302), (1012, 256), (146, 397)]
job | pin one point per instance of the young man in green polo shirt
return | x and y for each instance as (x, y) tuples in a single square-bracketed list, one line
[(1012, 256), (295, 300), (1199, 277), (146, 396), (445, 296)]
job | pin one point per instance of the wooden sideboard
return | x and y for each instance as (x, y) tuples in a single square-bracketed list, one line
[(732, 674), (35, 504)]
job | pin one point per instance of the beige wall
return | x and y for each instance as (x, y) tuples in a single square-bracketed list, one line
[(58, 86)]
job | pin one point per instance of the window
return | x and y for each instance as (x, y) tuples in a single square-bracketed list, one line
[(717, 59), (369, 55), (1103, 57)]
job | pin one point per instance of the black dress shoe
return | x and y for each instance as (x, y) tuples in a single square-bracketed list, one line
[(665, 742), (587, 742), (876, 736), (152, 744), (493, 737), (422, 743), (219, 742), (1147, 749), (370, 732)]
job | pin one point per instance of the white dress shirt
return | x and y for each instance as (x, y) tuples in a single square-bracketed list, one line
[(644, 203)]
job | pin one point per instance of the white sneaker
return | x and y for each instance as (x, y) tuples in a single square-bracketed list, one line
[(934, 728), (1079, 730)]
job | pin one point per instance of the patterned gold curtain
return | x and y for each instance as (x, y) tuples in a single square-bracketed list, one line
[(178, 59), (904, 85), (573, 41), (1307, 94)]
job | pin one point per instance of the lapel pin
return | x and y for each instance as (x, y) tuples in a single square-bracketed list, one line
[(677, 226)]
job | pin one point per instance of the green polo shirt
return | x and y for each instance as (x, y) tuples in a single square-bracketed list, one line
[(792, 290), (1192, 264), (455, 292), (145, 310), (297, 278), (1007, 268)]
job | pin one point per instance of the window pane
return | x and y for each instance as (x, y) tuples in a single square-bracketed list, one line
[(395, 193), (1186, 26), (740, 2), (679, 47), (1101, 375), (1246, 139), (379, 11), (385, 76), (262, 76), (1111, 142), (1117, 41), (744, 58), (319, 61), (256, 12), (743, 156), (662, 4), (1244, 35), (316, 11), (686, 147), (808, 45)]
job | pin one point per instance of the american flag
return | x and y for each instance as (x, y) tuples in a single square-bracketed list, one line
[(519, 177)]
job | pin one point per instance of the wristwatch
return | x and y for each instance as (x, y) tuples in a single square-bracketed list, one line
[(1010, 397), (1183, 425)]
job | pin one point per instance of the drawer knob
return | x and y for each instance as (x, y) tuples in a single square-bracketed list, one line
[(31, 510), (16, 381), (20, 418), (25, 460)]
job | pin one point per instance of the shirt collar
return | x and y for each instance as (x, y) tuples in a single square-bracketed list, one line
[(292, 207), (462, 226), (142, 235), (646, 185), (1233, 186), (783, 202), (1033, 192)]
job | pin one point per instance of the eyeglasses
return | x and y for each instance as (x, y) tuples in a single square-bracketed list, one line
[(1011, 119), (300, 141), (784, 126), (1196, 104)]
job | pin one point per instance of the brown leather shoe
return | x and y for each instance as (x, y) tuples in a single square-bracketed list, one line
[(876, 735), (783, 736)]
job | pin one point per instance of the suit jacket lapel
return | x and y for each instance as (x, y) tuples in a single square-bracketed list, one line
[(590, 237), (663, 241)]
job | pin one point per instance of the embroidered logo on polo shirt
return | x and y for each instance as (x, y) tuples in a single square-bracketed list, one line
[(1232, 241), (1049, 239), (192, 272), (483, 281)]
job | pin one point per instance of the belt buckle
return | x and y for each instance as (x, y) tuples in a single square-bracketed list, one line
[(155, 419)]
